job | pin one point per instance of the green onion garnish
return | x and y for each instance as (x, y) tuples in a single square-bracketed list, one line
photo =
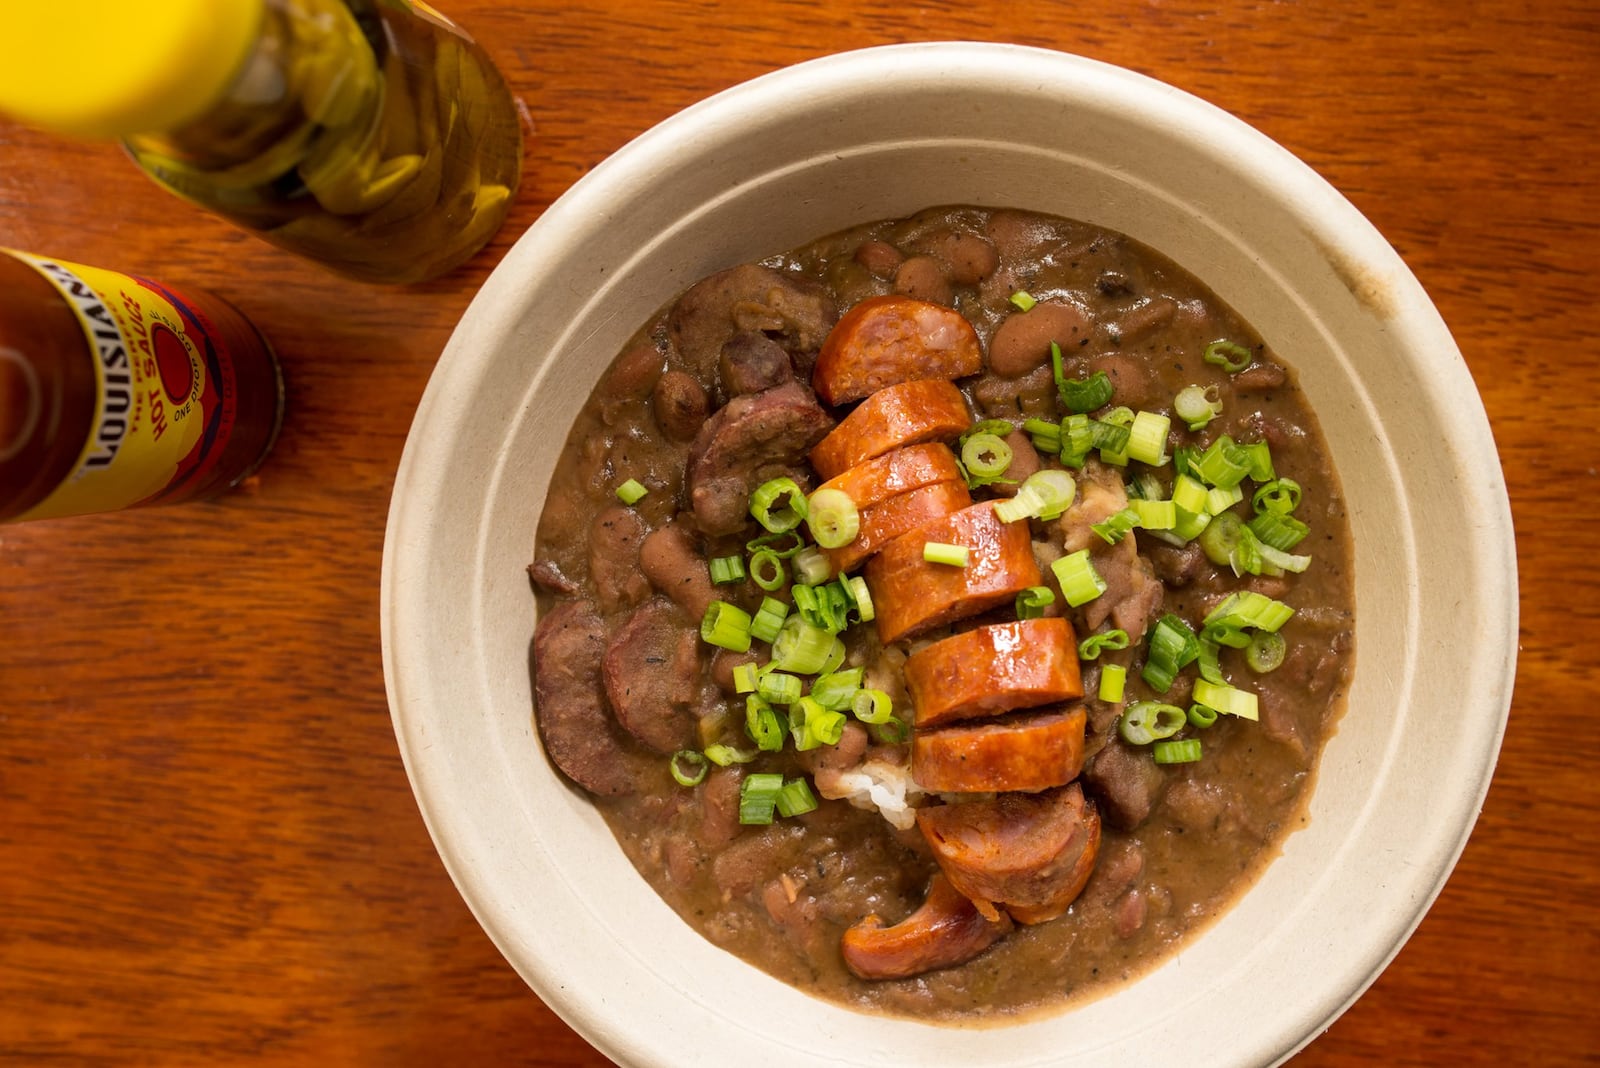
[(726, 626), (1278, 497), (1110, 437), (723, 755), (744, 676), (1080, 583), (1201, 716), (1046, 435), (1032, 601), (1081, 395), (1116, 417), (1265, 652), (1189, 493), (1092, 646), (811, 566), (1186, 751), (837, 690), (688, 767), (1155, 515), (801, 647), (1260, 461), (985, 457), (775, 543), (832, 518), (1144, 486), (1147, 440), (938, 552), (766, 569), (1197, 405), (764, 725), (768, 620), (778, 505), (1208, 660), (872, 706), (631, 492), (1113, 683), (1226, 699), (726, 569), (758, 797), (1220, 538), (891, 731), (835, 658), (778, 688), (1189, 525), (1144, 722), (1172, 647), (1282, 532), (811, 725), (1219, 500), (1114, 527), (1229, 356), (1023, 300), (1077, 438), (1283, 561), (796, 798), (856, 587), (1223, 464)]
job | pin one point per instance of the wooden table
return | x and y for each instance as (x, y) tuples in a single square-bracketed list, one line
[(209, 852)]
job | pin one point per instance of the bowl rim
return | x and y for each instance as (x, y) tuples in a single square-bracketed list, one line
[(821, 78)]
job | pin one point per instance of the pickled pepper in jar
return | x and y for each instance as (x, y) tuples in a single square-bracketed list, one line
[(118, 391), (374, 136)]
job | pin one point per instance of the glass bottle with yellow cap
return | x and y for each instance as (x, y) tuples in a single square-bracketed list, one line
[(372, 135)]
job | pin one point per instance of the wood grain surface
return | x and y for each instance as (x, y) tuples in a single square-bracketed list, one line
[(209, 853)]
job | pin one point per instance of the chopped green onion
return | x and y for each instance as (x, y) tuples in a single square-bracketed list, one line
[(1147, 440), (723, 755), (985, 456), (1172, 647), (779, 688), (1209, 660), (811, 725), (1190, 525), (1080, 583), (1046, 435), (1246, 556), (1183, 459), (1220, 538), (1155, 515), (826, 606), (796, 798), (835, 658), (1278, 497), (1024, 504), (632, 492), (1219, 500), (726, 626), (856, 587), (726, 569), (1113, 683), (1223, 464), (1115, 526), (758, 798), (1226, 699), (744, 677), (769, 619), (1144, 722), (891, 731), (764, 725), (1122, 417), (872, 706), (1081, 395), (1229, 356), (1283, 561), (938, 552), (1056, 488), (1110, 437), (837, 690), (1226, 633), (1197, 405), (1032, 601), (801, 647), (1265, 652), (1023, 300), (1077, 438), (1189, 494), (1201, 716), (1186, 751), (1260, 461), (695, 772), (772, 541), (778, 505), (1144, 486), (1282, 532), (812, 566), (1247, 608), (832, 518), (1092, 646)]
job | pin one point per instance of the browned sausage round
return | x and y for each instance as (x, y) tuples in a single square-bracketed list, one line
[(945, 931), (884, 522), (892, 418), (652, 673), (886, 340), (994, 669), (911, 595), (1032, 752), (1029, 853)]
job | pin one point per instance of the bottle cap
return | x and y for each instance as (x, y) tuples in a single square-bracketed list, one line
[(111, 68)]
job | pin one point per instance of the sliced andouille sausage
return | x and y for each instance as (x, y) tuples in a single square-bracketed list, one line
[(884, 341), (1030, 854), (892, 418), (992, 669), (674, 566), (911, 595), (652, 675), (1032, 752), (945, 931), (580, 736), (739, 445), (884, 522), (615, 536), (794, 311), (896, 472)]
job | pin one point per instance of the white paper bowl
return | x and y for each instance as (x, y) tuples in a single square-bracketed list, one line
[(876, 134)]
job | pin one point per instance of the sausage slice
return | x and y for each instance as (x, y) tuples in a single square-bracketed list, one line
[(994, 669), (886, 340), (652, 675), (897, 472), (886, 521), (1028, 853), (945, 931), (911, 595), (1034, 752), (907, 414)]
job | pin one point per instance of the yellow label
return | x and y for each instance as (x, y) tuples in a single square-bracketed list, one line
[(165, 396)]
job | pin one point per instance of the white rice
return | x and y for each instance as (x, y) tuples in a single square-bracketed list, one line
[(876, 784)]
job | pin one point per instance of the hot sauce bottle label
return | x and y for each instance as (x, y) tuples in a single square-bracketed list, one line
[(167, 396)]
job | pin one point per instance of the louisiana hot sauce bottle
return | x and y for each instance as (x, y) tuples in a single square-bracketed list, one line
[(117, 391)]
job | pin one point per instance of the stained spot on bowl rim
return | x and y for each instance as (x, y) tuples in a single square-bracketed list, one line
[(1372, 289)]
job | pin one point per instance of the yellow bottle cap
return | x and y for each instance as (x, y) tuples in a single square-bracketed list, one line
[(114, 68)]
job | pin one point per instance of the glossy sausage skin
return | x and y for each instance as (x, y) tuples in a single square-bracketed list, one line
[(886, 340), (1034, 752), (991, 669), (947, 930), (1030, 854), (887, 520), (892, 418), (897, 472), (912, 595)]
